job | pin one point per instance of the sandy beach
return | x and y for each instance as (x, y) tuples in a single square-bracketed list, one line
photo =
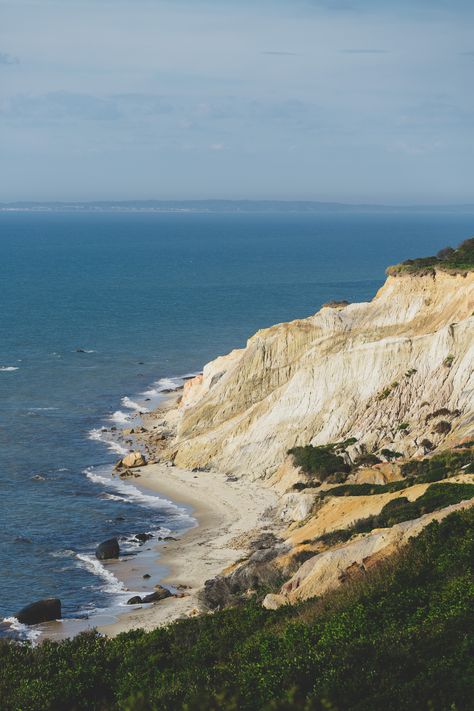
[(224, 510)]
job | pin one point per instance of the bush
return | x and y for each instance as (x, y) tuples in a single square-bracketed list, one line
[(442, 427), (319, 461), (390, 454)]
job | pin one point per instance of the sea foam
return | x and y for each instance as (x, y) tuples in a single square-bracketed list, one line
[(132, 405), (94, 566)]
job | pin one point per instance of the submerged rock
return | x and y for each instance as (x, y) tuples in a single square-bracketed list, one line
[(40, 611), (108, 549)]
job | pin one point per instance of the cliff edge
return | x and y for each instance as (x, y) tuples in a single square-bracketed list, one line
[(395, 372)]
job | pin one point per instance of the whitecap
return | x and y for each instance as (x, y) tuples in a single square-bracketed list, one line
[(132, 493), (23, 631), (120, 417), (113, 446), (41, 409), (132, 405), (8, 368), (113, 584)]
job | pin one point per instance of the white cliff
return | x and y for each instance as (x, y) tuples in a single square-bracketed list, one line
[(360, 370)]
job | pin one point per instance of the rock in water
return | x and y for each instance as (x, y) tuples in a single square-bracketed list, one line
[(41, 611), (108, 549), (135, 600)]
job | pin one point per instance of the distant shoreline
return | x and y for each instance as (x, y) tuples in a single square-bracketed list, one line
[(218, 206)]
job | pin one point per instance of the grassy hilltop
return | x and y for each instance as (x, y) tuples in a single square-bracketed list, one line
[(457, 260)]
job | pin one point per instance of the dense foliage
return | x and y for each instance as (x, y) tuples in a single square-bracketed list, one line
[(460, 259), (400, 638), (415, 471), (322, 461)]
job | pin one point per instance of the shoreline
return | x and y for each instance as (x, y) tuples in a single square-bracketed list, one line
[(224, 509)]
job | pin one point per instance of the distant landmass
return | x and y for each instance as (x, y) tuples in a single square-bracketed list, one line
[(238, 206)]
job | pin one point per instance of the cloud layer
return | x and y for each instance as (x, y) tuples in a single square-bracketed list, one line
[(363, 101)]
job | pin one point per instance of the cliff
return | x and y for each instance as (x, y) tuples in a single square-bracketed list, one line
[(377, 371)]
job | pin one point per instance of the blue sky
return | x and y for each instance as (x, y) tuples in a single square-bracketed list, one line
[(345, 100)]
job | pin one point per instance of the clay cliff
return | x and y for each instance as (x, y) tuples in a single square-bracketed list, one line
[(373, 371)]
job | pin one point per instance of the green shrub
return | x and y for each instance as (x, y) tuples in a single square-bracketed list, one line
[(319, 461), (367, 460), (390, 454)]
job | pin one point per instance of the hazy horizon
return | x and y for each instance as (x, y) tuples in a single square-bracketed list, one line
[(331, 101)]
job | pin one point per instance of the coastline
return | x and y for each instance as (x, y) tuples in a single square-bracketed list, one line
[(225, 510)]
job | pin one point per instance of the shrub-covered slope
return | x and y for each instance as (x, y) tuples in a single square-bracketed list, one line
[(399, 638)]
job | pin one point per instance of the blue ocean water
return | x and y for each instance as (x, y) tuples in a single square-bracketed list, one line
[(146, 297)]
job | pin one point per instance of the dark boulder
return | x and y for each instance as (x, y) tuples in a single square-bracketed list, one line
[(160, 594), (108, 549), (142, 537), (41, 611), (135, 600)]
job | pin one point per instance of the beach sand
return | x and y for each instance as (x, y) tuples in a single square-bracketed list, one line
[(224, 509)]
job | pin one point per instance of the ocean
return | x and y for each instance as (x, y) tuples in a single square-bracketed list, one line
[(100, 312)]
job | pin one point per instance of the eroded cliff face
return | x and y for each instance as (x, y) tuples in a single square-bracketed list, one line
[(360, 370)]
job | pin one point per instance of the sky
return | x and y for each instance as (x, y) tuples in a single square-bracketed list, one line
[(331, 100)]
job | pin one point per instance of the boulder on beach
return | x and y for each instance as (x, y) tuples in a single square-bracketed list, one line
[(40, 611), (108, 549), (160, 594), (135, 600), (134, 459)]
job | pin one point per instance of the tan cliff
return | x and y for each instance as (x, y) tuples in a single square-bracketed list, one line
[(375, 371)]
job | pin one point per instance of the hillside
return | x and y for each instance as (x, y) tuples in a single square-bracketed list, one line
[(400, 638)]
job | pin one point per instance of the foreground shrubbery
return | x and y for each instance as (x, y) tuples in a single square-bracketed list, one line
[(399, 639)]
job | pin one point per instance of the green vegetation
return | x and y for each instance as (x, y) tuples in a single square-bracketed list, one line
[(403, 426), (439, 466), (459, 260), (424, 471), (390, 454), (416, 471), (398, 639), (437, 496), (322, 461), (367, 460)]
